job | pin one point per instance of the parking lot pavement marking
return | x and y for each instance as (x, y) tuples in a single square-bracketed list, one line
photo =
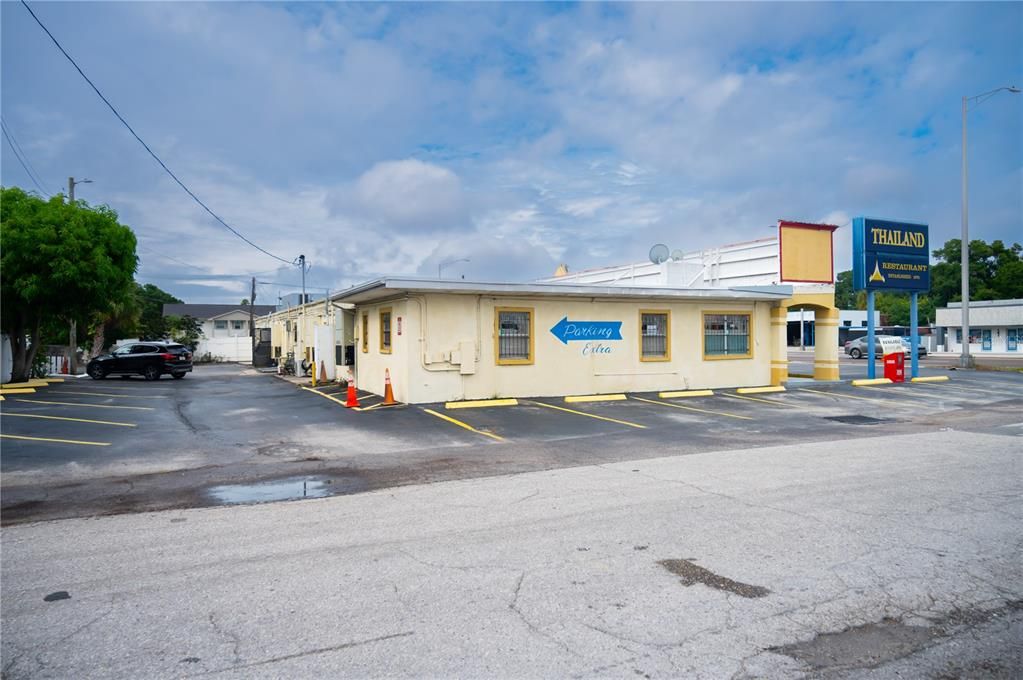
[(325, 396), (77, 420), (459, 423), (760, 390), (52, 380), (78, 403), (931, 379), (866, 382), (58, 441), (765, 401), (975, 390), (24, 390), (481, 403), (20, 385), (847, 396), (686, 393), (693, 408), (116, 396), (899, 392), (589, 415), (595, 397)]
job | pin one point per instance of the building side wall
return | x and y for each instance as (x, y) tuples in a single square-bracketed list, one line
[(449, 349)]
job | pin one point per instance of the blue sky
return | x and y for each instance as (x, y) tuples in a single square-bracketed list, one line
[(386, 138)]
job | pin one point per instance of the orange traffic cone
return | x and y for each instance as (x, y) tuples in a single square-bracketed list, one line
[(353, 398), (63, 367), (323, 373), (388, 394)]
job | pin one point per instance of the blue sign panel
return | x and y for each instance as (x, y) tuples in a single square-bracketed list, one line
[(566, 330), (889, 255)]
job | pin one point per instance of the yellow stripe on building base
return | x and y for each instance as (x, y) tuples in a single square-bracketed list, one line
[(595, 397), (686, 393), (482, 403), (866, 382), (932, 378), (826, 373), (760, 390)]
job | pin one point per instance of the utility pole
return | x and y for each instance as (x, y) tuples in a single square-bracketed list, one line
[(252, 325), (73, 327), (301, 333)]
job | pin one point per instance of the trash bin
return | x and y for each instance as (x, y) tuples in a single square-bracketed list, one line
[(895, 367)]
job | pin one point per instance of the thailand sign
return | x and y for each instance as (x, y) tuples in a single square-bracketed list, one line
[(890, 255), (567, 331)]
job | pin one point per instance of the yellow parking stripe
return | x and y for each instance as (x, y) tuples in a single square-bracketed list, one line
[(589, 415), (764, 401), (459, 423), (481, 403), (325, 396), (899, 392), (24, 390), (116, 396), (594, 397), (931, 379), (58, 441), (77, 420), (692, 408), (78, 403), (977, 390), (686, 393)]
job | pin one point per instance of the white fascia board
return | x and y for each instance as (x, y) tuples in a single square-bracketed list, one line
[(390, 287)]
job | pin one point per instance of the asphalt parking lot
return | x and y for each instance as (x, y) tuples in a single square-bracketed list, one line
[(85, 447)]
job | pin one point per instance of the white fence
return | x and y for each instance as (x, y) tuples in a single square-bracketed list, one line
[(224, 349)]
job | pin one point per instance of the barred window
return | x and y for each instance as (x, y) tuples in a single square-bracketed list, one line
[(654, 335), (514, 336), (385, 330), (726, 335)]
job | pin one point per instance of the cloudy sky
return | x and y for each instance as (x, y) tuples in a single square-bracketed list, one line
[(387, 138)]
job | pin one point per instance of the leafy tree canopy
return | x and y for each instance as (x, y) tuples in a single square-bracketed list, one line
[(59, 260)]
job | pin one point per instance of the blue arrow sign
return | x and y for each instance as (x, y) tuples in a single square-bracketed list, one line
[(566, 330)]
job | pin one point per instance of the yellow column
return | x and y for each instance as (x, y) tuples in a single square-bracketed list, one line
[(779, 346), (825, 356)]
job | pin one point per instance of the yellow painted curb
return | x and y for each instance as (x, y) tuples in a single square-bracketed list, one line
[(933, 378), (760, 390), (25, 390), (27, 383), (865, 382), (595, 397), (482, 403), (686, 393), (1, 398), (52, 380)]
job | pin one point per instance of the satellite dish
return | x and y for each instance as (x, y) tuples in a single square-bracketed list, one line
[(659, 253), (677, 255)]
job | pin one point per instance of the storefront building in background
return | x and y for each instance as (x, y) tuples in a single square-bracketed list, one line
[(996, 326)]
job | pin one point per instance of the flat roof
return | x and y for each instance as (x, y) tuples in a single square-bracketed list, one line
[(389, 287)]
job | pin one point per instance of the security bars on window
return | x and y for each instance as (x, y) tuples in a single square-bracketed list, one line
[(726, 334), (655, 335), (514, 336)]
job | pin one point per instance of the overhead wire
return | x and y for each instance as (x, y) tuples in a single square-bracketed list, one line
[(22, 158), (146, 146)]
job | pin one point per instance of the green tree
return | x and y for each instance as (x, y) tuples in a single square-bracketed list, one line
[(845, 296), (996, 271), (152, 323), (185, 329), (59, 261)]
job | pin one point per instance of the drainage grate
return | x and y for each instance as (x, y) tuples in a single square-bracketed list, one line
[(856, 420)]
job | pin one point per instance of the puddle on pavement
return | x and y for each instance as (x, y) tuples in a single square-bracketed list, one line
[(691, 574), (278, 490), (861, 646)]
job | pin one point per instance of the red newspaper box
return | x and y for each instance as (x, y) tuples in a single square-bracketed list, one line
[(895, 367)]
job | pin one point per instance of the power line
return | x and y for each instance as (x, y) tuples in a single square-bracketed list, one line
[(146, 146), (16, 148)]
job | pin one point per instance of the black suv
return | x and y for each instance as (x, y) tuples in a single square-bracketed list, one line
[(149, 359)]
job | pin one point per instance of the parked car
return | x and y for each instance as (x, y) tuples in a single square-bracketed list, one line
[(858, 348), (148, 359)]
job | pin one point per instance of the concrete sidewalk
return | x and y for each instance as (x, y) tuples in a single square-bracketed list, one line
[(700, 566)]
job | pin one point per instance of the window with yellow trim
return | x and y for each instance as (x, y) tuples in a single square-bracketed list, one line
[(514, 335), (385, 330), (654, 335), (365, 332), (726, 335)]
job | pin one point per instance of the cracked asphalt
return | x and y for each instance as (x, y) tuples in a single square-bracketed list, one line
[(883, 557)]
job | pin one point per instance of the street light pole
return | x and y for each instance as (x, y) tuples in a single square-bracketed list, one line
[(965, 360), (73, 327), (441, 265)]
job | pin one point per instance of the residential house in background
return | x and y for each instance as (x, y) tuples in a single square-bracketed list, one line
[(225, 329)]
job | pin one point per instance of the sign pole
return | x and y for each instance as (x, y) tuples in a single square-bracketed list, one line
[(914, 336), (870, 335)]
